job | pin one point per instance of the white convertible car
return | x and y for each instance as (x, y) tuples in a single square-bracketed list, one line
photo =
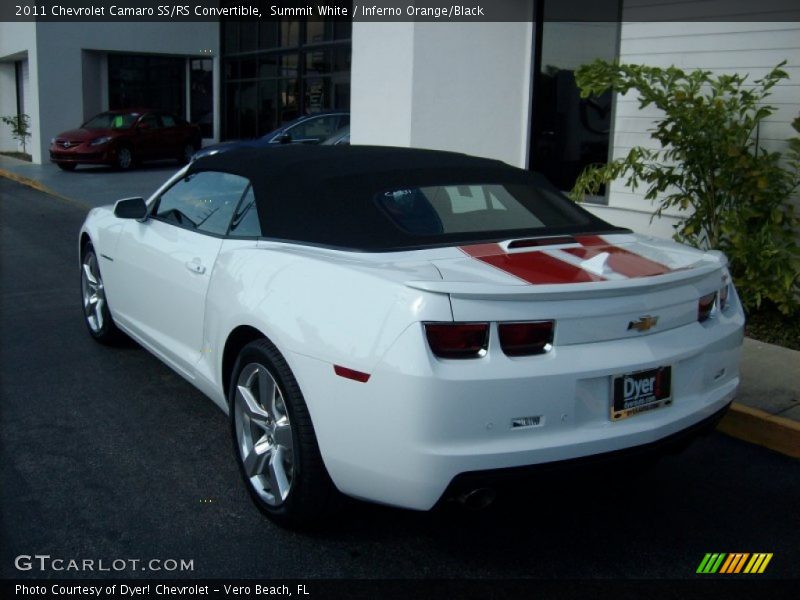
[(402, 325)]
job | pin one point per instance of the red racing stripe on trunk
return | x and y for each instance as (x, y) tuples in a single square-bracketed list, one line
[(620, 260), (533, 267)]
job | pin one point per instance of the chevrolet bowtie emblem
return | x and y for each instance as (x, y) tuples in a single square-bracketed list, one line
[(644, 323)]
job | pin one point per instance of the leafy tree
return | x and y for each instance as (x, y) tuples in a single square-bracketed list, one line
[(20, 128), (735, 195)]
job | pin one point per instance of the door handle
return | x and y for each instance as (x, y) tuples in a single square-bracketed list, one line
[(195, 267)]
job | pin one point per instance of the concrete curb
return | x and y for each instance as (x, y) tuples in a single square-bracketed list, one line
[(744, 422), (759, 427)]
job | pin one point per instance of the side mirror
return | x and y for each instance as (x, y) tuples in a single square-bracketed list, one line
[(285, 138), (131, 208), (142, 127)]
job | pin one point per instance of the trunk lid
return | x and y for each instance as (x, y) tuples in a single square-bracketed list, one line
[(595, 288)]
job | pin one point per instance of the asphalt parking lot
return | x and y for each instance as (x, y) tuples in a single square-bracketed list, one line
[(106, 453)]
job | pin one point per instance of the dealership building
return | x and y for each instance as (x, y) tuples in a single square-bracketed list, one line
[(504, 90)]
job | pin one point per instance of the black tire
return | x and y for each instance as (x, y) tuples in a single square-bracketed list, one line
[(67, 166), (311, 494), (125, 159), (102, 327)]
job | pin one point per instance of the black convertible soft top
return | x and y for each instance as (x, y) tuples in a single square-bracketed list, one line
[(325, 195)]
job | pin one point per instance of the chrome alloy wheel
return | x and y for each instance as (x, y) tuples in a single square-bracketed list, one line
[(264, 434), (94, 295), (124, 158)]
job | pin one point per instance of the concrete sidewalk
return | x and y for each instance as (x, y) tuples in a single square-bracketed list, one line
[(767, 408), (90, 185), (766, 412)]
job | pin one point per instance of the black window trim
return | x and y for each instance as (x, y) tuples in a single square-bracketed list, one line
[(234, 236)]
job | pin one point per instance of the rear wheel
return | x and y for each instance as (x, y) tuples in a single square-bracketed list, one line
[(95, 307), (276, 447), (67, 166)]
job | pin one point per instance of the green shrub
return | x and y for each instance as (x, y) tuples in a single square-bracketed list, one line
[(736, 194), (20, 128)]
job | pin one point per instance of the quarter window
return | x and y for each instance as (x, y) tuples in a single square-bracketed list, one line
[(203, 201)]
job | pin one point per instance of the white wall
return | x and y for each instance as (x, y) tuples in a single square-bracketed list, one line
[(381, 83), (449, 86), (722, 47), (8, 104), (18, 43)]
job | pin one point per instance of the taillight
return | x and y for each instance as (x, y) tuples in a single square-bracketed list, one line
[(705, 305), (458, 340), (524, 339), (723, 296)]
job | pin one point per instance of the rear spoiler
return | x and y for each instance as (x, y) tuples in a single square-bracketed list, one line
[(594, 289)]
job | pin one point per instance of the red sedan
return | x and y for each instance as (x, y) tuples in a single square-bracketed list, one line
[(122, 138)]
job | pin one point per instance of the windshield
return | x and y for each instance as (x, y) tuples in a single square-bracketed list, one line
[(111, 121)]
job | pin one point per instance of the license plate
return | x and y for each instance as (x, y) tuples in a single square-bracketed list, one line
[(641, 391)]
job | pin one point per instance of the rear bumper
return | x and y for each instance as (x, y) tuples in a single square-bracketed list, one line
[(420, 423), (668, 445)]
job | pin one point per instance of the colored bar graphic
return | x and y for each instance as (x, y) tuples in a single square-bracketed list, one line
[(717, 564), (734, 562), (703, 563), (765, 563), (758, 563), (724, 563), (732, 558), (741, 562), (749, 567)]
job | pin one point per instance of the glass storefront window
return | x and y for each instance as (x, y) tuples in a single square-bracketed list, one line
[(327, 31), (248, 35), (267, 106), (248, 123), (201, 99), (570, 132), (232, 110), (298, 67), (268, 34), (289, 105), (147, 80), (290, 33), (328, 60), (248, 68), (230, 36)]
